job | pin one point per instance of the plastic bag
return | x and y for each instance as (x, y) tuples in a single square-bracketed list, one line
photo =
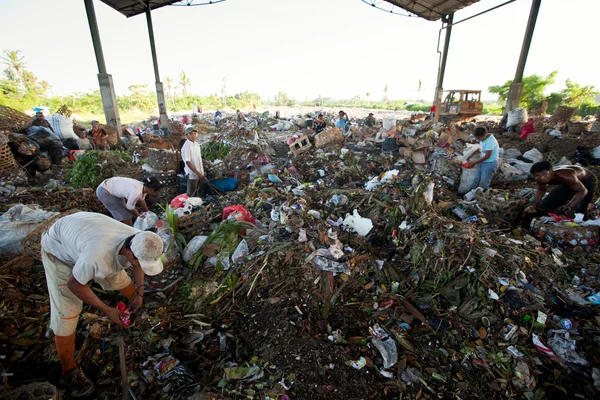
[(178, 201), (385, 344), (146, 221), (240, 253), (516, 117), (467, 178), (192, 247), (362, 226), (239, 213), (533, 155), (17, 223)]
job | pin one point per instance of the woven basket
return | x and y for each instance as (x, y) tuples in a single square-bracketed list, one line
[(552, 157), (190, 225), (7, 160), (32, 243), (507, 210), (13, 120), (165, 178), (562, 114), (578, 127), (162, 160), (595, 126), (564, 147), (171, 273)]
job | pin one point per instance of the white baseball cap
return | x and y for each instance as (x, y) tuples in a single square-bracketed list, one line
[(147, 247)]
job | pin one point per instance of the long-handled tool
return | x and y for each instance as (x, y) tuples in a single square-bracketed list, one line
[(123, 365)]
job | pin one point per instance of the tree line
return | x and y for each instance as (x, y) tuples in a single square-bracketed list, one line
[(20, 89)]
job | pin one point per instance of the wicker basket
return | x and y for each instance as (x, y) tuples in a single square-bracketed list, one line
[(7, 160), (165, 178), (171, 274), (579, 127), (191, 224), (163, 160), (13, 120), (562, 114), (505, 210), (32, 243)]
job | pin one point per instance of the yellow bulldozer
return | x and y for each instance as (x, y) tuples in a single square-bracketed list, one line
[(460, 105)]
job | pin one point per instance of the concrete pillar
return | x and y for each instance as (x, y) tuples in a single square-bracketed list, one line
[(516, 88), (107, 90), (109, 102), (160, 94), (442, 68), (514, 96)]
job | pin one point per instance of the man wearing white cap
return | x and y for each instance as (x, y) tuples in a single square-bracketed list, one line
[(85, 246)]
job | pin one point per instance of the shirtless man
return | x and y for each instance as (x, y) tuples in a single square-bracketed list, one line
[(575, 188)]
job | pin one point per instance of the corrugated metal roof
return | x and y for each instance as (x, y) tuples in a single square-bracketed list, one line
[(129, 8), (432, 10)]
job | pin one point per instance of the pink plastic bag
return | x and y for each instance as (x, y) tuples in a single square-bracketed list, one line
[(238, 212), (178, 201)]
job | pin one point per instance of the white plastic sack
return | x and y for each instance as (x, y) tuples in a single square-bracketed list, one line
[(192, 247), (17, 223), (145, 221), (516, 117), (362, 226), (534, 155), (597, 152), (511, 153), (389, 122), (563, 161), (467, 178), (470, 149), (521, 165), (555, 133), (510, 173), (66, 127)]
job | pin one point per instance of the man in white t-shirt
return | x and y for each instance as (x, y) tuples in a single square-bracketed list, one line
[(192, 158), (85, 246)]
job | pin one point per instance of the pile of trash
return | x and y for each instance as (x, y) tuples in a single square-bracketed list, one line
[(342, 270)]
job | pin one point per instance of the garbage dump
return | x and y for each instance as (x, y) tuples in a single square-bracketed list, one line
[(356, 263)]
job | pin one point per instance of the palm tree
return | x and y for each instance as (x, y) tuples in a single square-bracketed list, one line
[(15, 63), (368, 99), (224, 91), (170, 93), (385, 98), (184, 82)]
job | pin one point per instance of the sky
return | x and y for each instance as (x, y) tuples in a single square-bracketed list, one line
[(306, 48)]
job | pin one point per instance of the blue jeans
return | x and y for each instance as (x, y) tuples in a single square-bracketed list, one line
[(484, 174)]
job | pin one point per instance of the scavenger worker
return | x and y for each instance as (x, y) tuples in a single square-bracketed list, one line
[(574, 192), (370, 120), (488, 163), (120, 196), (342, 123), (191, 155), (85, 246), (98, 136), (40, 120), (159, 143), (319, 124)]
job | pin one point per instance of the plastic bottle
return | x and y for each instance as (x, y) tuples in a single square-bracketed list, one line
[(566, 323)]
